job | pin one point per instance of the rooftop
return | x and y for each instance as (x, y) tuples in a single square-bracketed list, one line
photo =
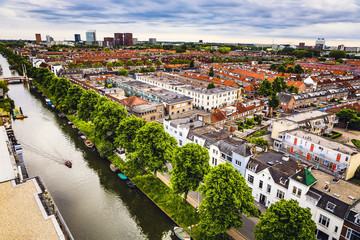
[(7, 169), (21, 215), (306, 116), (343, 190)]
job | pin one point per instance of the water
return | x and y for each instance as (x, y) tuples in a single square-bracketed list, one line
[(94, 202), (6, 72)]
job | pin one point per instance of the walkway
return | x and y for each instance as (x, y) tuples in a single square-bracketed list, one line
[(347, 135)]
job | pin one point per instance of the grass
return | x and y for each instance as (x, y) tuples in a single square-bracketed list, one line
[(356, 142)]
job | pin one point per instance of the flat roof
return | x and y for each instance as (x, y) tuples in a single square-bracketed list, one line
[(343, 188), (7, 169), (20, 215), (299, 117)]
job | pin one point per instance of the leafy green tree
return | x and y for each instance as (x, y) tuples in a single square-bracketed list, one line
[(123, 72), (290, 70), (345, 115), (339, 60), (192, 64), (106, 149), (265, 88), (273, 67), (148, 62), (109, 64), (97, 64), (298, 69), (293, 89), (279, 84), (108, 116), (281, 68), (226, 197), (129, 63), (139, 63), (73, 97), (210, 85), (71, 65), (337, 54), (273, 103), (153, 148), (224, 50), (119, 63), (126, 132), (211, 72), (152, 69), (87, 104), (59, 89), (190, 164), (158, 62), (4, 86), (258, 141), (285, 220)]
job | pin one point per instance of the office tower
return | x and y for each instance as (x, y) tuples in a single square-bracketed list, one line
[(119, 39), (320, 44), (49, 39), (38, 38), (108, 42), (77, 37), (128, 39), (302, 45), (91, 36), (152, 40)]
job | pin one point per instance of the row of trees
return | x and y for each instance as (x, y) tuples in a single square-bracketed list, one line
[(349, 117), (118, 63), (282, 68)]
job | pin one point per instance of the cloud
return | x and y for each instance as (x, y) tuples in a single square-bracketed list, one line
[(226, 20)]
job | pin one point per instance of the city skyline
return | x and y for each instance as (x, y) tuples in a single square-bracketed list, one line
[(250, 21)]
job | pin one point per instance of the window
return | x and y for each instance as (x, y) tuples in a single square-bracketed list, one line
[(213, 150), (214, 161), (250, 179), (299, 192), (352, 234), (180, 133), (280, 194), (237, 162), (229, 158), (330, 206), (268, 189), (180, 142), (223, 155), (324, 220), (261, 184), (294, 190), (336, 229)]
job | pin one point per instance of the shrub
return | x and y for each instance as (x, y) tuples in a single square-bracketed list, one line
[(356, 143), (335, 135)]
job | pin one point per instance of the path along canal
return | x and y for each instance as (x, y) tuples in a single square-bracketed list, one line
[(93, 201)]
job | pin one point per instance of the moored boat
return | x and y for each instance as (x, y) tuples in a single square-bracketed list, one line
[(113, 167), (122, 176), (181, 233), (68, 164), (130, 184), (61, 115), (74, 126), (89, 143)]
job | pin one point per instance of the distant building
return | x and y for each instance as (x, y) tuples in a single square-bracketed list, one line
[(119, 39), (77, 37), (200, 41), (320, 44), (38, 38), (108, 42), (152, 40), (128, 37), (135, 41), (302, 45), (49, 39), (91, 36), (341, 47)]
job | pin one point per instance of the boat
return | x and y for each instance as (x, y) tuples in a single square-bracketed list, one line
[(80, 133), (17, 114), (113, 167), (70, 123), (74, 127), (130, 184), (83, 137), (181, 233), (122, 176), (89, 143), (61, 115), (68, 164)]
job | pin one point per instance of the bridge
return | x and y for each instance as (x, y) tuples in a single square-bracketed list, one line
[(16, 79)]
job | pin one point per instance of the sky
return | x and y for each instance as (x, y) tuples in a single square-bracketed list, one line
[(232, 21)]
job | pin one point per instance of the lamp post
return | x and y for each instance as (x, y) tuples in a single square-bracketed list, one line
[(347, 123)]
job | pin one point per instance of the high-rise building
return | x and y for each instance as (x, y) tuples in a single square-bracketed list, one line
[(135, 41), (91, 36), (108, 42), (77, 37), (302, 45), (128, 39), (49, 39), (119, 39), (341, 47), (38, 38), (320, 44), (152, 40)]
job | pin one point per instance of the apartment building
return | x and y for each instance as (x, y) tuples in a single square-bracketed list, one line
[(333, 157)]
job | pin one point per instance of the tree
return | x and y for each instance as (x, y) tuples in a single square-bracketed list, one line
[(108, 116), (158, 62), (258, 141), (285, 220), (129, 63), (71, 65), (279, 84), (109, 64), (73, 97), (224, 50), (152, 69), (87, 104), (273, 102), (345, 115), (105, 149), (192, 64), (4, 86), (281, 68), (139, 63), (265, 88), (153, 148), (293, 89), (273, 67), (298, 69), (210, 85), (211, 72), (337, 54), (126, 132), (226, 197), (190, 164), (97, 64), (289, 70), (59, 89), (148, 62), (119, 63), (123, 72)]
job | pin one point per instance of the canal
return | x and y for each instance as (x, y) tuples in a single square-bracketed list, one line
[(93, 201)]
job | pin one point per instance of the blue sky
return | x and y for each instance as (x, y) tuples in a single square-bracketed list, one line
[(263, 21)]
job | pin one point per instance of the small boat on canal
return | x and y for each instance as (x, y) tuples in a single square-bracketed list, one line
[(113, 167), (61, 115), (122, 176), (68, 164), (16, 114), (130, 184), (74, 126), (181, 233), (89, 143)]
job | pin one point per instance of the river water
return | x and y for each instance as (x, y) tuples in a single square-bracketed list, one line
[(94, 202)]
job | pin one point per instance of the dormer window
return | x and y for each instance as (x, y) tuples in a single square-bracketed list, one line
[(330, 206)]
